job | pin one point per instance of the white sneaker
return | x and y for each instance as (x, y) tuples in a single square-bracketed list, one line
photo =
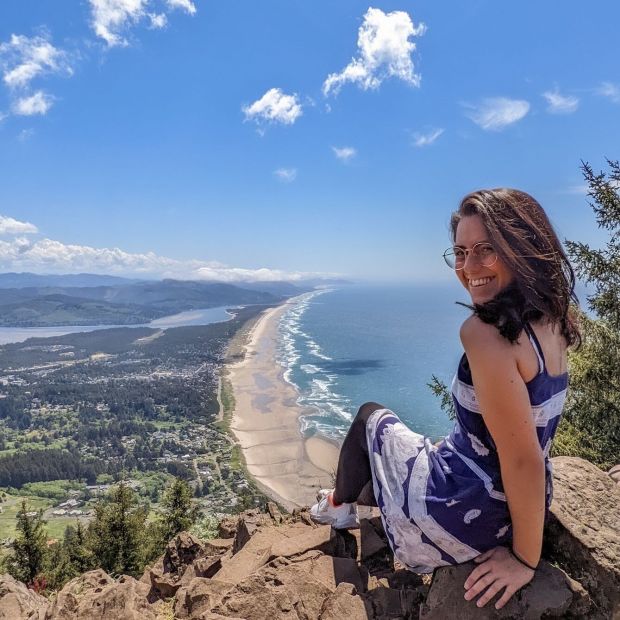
[(341, 517)]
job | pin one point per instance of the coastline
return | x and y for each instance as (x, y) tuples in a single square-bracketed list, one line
[(265, 420)]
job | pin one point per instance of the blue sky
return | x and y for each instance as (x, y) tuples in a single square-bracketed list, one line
[(194, 138)]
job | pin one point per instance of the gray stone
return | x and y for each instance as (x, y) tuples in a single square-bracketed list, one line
[(548, 595), (583, 529)]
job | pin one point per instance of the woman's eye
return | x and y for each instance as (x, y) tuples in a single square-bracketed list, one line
[(458, 253), (486, 249)]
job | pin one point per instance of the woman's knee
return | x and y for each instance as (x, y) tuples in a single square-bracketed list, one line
[(367, 409)]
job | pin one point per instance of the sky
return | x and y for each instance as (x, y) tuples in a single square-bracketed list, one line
[(244, 140)]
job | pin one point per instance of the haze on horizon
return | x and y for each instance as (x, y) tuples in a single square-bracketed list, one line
[(238, 142)]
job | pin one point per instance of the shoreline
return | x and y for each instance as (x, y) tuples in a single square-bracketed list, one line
[(265, 421)]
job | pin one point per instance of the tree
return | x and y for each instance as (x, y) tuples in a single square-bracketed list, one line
[(29, 547), (178, 512), (591, 424), (116, 534)]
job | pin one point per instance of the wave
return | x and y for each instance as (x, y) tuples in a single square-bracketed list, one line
[(316, 384)]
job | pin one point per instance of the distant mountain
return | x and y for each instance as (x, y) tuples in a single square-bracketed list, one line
[(22, 280), (284, 289), (128, 304)]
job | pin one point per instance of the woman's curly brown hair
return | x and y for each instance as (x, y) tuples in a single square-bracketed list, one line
[(523, 237)]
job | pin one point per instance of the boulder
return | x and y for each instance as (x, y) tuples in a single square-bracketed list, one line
[(287, 593), (614, 472), (583, 529), (96, 596), (185, 558), (548, 595), (248, 524), (330, 571), (199, 596), (344, 602), (17, 601), (270, 542)]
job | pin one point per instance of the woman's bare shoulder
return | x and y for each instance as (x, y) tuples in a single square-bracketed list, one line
[(476, 333)]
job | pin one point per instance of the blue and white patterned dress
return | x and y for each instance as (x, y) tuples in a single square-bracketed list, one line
[(445, 504)]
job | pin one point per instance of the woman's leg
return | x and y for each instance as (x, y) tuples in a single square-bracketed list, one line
[(353, 476)]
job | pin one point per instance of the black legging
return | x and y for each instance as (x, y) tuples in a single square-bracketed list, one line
[(353, 477)]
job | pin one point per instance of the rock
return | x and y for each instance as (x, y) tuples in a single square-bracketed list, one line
[(17, 601), (614, 472), (184, 554), (227, 527), (247, 525), (330, 571), (583, 529), (287, 593), (371, 543), (199, 596), (344, 602), (257, 551), (218, 546), (274, 513), (95, 595), (322, 538), (548, 595)]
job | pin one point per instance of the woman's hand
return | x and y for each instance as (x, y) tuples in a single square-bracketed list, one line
[(498, 569)]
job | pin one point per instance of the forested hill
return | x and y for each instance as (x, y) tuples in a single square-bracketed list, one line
[(127, 303)]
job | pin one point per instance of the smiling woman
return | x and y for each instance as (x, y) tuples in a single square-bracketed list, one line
[(483, 492)]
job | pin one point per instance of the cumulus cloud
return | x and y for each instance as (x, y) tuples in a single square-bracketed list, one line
[(21, 253), (158, 20), (287, 175), (10, 226), (39, 103), (609, 90), (560, 104), (426, 139), (274, 106), (110, 18), (495, 113), (24, 58), (186, 5), (344, 153), (384, 51)]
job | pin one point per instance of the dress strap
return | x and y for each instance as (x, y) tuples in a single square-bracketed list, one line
[(537, 348)]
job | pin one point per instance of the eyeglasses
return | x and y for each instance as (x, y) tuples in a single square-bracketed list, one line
[(483, 253)]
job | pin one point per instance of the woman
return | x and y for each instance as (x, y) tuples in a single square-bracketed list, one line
[(484, 491)]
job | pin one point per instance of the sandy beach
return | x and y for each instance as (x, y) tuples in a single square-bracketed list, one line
[(288, 467)]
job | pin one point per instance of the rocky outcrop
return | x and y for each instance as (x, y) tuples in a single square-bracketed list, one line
[(17, 601), (270, 566), (583, 532)]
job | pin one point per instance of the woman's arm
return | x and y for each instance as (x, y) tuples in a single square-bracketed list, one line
[(505, 406)]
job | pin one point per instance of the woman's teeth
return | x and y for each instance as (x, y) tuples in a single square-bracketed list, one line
[(479, 282)]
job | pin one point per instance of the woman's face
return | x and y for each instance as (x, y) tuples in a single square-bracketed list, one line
[(483, 283)]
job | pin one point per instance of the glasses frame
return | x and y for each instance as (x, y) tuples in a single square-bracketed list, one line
[(467, 253)]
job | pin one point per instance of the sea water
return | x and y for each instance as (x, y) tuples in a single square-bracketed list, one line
[(345, 346)]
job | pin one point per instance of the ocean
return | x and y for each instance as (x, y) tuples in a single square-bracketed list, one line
[(344, 346)]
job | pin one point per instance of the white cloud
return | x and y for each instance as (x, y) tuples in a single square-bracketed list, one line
[(20, 253), (426, 139), (186, 5), (24, 58), (39, 103), (612, 91), (274, 106), (10, 226), (287, 175), (495, 113), (384, 51), (158, 20), (560, 104), (345, 153), (111, 17)]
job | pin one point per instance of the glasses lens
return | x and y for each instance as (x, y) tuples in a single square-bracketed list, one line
[(449, 257), (485, 254)]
